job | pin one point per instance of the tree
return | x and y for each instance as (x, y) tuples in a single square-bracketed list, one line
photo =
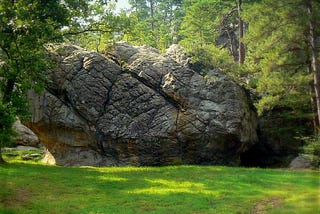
[(154, 22), (6, 130), (208, 30), (97, 26), (169, 15), (200, 25), (280, 49), (25, 27), (241, 32), (314, 52), (216, 22), (140, 9)]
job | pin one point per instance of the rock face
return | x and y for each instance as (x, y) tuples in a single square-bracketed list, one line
[(138, 106), (24, 135)]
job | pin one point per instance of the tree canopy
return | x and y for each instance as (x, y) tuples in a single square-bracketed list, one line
[(25, 27), (271, 46), (279, 52)]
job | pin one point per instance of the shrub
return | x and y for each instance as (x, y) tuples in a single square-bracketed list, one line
[(312, 150)]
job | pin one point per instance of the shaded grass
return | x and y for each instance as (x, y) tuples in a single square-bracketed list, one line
[(32, 188), (23, 156)]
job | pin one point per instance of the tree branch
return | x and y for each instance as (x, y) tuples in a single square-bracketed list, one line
[(228, 15)]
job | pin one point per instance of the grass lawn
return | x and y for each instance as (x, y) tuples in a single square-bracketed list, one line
[(35, 188)]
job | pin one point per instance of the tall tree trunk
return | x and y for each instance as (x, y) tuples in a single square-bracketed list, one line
[(314, 56), (313, 102), (232, 46), (241, 45), (8, 90), (151, 14)]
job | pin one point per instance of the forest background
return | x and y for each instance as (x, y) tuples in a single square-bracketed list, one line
[(270, 47)]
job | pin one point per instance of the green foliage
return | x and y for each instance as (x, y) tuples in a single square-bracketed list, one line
[(199, 26), (205, 19), (101, 25), (98, 27), (139, 32), (31, 156), (277, 53), (154, 22), (202, 25), (156, 190), (212, 22), (6, 121), (210, 57), (312, 150), (25, 27)]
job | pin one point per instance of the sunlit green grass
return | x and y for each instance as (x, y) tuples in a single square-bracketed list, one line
[(34, 188)]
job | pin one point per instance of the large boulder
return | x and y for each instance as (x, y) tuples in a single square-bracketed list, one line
[(137, 106)]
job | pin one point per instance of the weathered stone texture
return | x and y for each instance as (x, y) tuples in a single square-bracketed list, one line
[(138, 106), (24, 135)]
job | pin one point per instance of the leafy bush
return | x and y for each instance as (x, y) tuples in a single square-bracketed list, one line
[(312, 150), (210, 57)]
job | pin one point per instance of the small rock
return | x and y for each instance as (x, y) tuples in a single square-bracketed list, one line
[(31, 156), (25, 148), (301, 162)]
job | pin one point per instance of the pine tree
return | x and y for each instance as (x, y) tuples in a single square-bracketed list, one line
[(279, 41), (313, 35), (154, 22), (211, 27)]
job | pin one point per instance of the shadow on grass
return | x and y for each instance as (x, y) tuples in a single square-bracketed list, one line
[(174, 189)]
